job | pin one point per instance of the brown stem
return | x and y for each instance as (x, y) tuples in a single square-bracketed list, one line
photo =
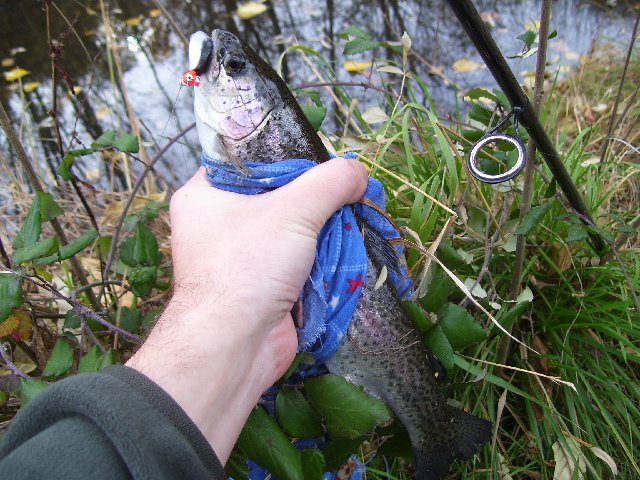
[(527, 190), (612, 119), (5, 122)]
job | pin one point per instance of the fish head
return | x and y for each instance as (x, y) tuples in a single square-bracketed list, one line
[(235, 96)]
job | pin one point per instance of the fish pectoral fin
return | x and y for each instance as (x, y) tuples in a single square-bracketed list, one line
[(379, 248)]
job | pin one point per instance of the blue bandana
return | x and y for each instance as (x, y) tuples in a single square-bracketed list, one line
[(331, 292)]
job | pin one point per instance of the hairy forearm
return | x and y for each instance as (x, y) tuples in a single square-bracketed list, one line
[(198, 354)]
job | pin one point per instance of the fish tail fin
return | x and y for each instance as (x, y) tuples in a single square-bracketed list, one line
[(469, 434)]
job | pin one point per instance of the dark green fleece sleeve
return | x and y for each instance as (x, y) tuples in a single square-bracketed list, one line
[(116, 424)]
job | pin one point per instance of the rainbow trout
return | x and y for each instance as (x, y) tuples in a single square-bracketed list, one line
[(246, 113)]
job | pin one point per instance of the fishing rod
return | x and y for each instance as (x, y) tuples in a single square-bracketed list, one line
[(479, 34)]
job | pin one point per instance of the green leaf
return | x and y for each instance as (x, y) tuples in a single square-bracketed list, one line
[(265, 444), (90, 360), (110, 357), (440, 346), (528, 38), (459, 326), (36, 250), (105, 140), (476, 93), (127, 143), (480, 114), (236, 466), (31, 228), (315, 115), (103, 245), (130, 319), (303, 357), (149, 318), (71, 320), (576, 233), (49, 209), (296, 416), (551, 189), (347, 410), (312, 464), (150, 211), (30, 387), (399, 443), (359, 45), (353, 31), (438, 293), (513, 314), (532, 218), (141, 249), (64, 169), (4, 398), (417, 315), (336, 452), (10, 294), (60, 360), (70, 249), (143, 279), (553, 34)]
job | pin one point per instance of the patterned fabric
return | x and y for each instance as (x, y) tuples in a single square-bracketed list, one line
[(331, 292)]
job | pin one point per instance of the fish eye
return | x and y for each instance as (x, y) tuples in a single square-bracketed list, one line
[(233, 64)]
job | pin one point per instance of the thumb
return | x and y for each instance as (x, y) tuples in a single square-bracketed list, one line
[(322, 190)]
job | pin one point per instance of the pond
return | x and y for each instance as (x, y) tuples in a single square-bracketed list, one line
[(151, 55)]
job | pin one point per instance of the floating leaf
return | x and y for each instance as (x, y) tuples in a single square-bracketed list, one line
[(15, 74), (134, 21), (30, 387), (249, 10), (440, 346), (10, 293), (347, 410), (532, 218), (352, 66), (155, 12), (570, 461), (60, 360), (30, 86), (459, 326), (295, 414), (465, 65), (263, 441)]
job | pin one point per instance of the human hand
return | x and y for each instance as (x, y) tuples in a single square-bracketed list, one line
[(239, 265)]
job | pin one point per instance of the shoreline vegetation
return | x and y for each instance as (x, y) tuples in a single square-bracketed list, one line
[(569, 410)]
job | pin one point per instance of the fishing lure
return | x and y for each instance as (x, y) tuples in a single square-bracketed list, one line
[(190, 79)]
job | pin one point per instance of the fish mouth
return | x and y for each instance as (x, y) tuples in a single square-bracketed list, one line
[(244, 136)]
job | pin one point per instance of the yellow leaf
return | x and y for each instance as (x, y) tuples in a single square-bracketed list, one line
[(17, 325), (15, 73), (7, 62), (133, 21), (390, 69), (565, 457), (465, 65), (374, 115), (352, 66), (250, 9), (155, 13), (102, 112), (30, 86)]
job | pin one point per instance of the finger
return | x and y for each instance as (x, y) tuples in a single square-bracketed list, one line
[(324, 189)]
